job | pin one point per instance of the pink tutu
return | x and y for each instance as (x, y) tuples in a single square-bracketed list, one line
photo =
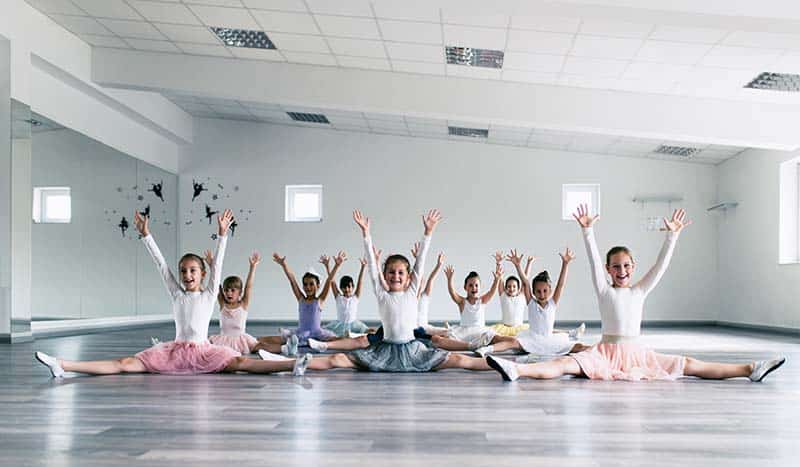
[(241, 343), (186, 358), (628, 361)]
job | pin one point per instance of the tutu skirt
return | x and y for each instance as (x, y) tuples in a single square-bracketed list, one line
[(475, 336), (628, 361), (186, 358), (544, 345), (241, 343), (412, 356), (340, 327), (511, 331)]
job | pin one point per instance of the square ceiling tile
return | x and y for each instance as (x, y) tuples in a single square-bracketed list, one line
[(226, 3), (605, 47), (364, 62), (406, 31), (485, 16), (545, 23), (648, 70), (766, 40), (283, 5), (408, 11), (418, 67), (595, 67), (136, 29), (539, 42), (365, 28), (257, 54), (186, 33), (357, 48), (740, 57), (683, 34), (176, 13), (788, 62), (530, 77), (473, 72), (204, 49), (81, 25), (477, 38), (415, 52), (236, 18), (116, 9), (156, 46), (280, 21), (310, 58), (532, 62), (64, 7), (602, 27), (672, 52), (588, 81), (104, 41), (341, 7), (299, 42)]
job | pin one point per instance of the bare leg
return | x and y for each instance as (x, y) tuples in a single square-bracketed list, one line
[(105, 367), (348, 343), (328, 362), (506, 344), (252, 365), (579, 348), (272, 340), (455, 360), (447, 343), (436, 331), (552, 369), (268, 346), (714, 370)]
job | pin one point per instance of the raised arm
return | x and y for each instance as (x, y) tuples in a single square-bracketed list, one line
[(142, 226), (223, 221), (370, 252), (566, 257), (516, 259), (429, 222), (595, 261), (209, 257), (281, 260), (673, 228), (340, 258), (498, 258), (429, 282), (498, 276), (360, 279), (255, 258), (325, 260), (448, 271)]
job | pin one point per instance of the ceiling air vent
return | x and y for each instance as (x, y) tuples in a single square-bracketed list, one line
[(469, 132), (310, 118), (775, 82), (474, 57), (684, 152), (243, 38)]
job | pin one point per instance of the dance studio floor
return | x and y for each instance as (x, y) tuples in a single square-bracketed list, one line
[(353, 418)]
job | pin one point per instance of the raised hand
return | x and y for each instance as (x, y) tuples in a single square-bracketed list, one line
[(440, 259), (498, 257), (142, 224), (514, 258), (430, 220), (224, 220), (498, 271), (363, 262), (325, 260), (377, 253), (415, 249), (340, 258), (209, 257), (279, 259), (678, 222), (255, 258), (567, 256), (362, 222), (583, 217), (449, 271)]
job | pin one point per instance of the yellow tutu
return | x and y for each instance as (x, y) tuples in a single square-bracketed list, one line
[(505, 330)]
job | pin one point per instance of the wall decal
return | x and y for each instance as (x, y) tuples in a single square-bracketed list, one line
[(156, 188)]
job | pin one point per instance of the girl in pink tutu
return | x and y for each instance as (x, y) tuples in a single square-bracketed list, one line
[(619, 355), (192, 305), (233, 304)]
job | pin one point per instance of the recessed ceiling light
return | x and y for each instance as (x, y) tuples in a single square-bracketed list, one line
[(474, 57), (243, 38), (310, 118), (685, 152), (775, 82), (469, 132)]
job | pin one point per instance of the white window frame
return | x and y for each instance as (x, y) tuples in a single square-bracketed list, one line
[(789, 212), (40, 196), (593, 188), (291, 191)]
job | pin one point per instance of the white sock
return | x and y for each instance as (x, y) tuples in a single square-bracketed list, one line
[(271, 356), (51, 363), (319, 346), (284, 349)]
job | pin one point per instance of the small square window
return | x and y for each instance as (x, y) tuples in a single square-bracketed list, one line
[(303, 203), (573, 195), (52, 205)]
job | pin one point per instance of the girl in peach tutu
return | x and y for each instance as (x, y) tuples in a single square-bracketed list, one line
[(233, 303), (619, 356)]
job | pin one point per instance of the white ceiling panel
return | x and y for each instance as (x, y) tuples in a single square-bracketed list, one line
[(225, 3), (204, 49), (299, 42), (365, 62), (185, 33), (740, 57), (116, 9), (310, 58), (104, 41), (539, 42), (479, 38), (135, 29), (765, 40), (475, 72), (595, 67), (415, 52), (155, 46), (672, 52), (485, 16), (656, 71), (284, 5), (357, 47), (546, 23), (237, 18), (605, 47), (425, 68), (175, 13), (341, 7), (82, 25), (687, 34), (281, 21), (408, 11), (257, 54), (364, 28), (532, 62), (530, 76), (65, 7), (612, 28), (406, 31)]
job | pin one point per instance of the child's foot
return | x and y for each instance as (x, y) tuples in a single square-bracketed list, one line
[(51, 363), (289, 349), (271, 356), (484, 351), (155, 341), (507, 369), (301, 363), (284, 332), (319, 346), (764, 367), (578, 332)]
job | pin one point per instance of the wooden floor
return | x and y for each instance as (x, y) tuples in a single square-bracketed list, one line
[(352, 418)]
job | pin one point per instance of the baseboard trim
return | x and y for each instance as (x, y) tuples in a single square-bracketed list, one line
[(73, 327), (761, 328)]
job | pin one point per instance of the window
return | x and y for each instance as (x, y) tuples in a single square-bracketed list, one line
[(52, 205), (303, 203), (789, 218), (573, 194)]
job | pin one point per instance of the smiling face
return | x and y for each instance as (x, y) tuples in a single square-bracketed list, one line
[(541, 291), (512, 287), (232, 295), (473, 287), (310, 285), (396, 274), (192, 274), (620, 267)]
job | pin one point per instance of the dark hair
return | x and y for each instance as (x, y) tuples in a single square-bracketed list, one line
[(397, 259), (615, 250), (232, 282), (311, 275), (512, 278), (543, 276), (470, 276), (345, 281), (193, 257)]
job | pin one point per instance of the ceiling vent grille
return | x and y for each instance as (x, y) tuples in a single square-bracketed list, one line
[(684, 152), (468, 132), (775, 82), (474, 57), (309, 118), (243, 38)]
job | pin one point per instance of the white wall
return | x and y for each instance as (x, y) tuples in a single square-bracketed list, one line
[(491, 196), (754, 288), (5, 188)]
